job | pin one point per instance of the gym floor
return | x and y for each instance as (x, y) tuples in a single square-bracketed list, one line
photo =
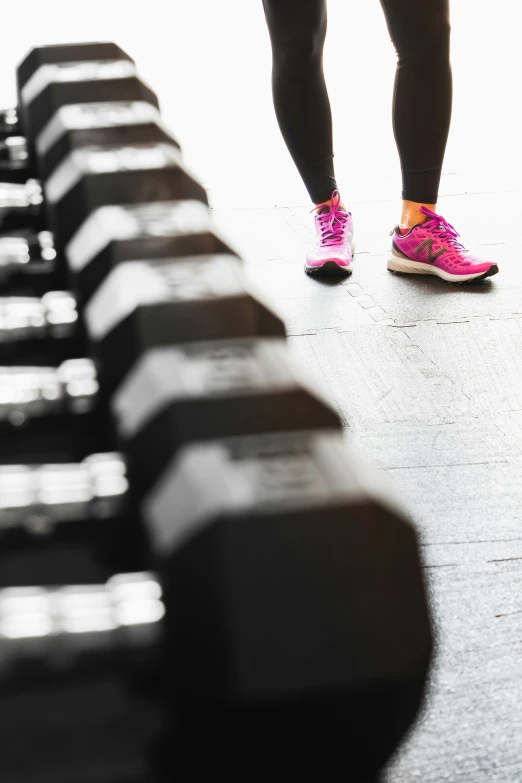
[(426, 376)]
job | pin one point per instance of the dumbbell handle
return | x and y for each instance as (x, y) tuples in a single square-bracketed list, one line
[(53, 315), (27, 392), (36, 497), (9, 122), (38, 622), (21, 205), (13, 149), (16, 256), (20, 195)]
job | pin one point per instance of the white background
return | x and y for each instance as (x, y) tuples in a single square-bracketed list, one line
[(210, 63)]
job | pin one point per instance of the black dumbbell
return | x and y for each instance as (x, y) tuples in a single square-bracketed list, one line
[(113, 235), (59, 54), (117, 234), (39, 68), (29, 263), (39, 56), (131, 132), (67, 521), (296, 618), (9, 125), (244, 385), (142, 305), (200, 391), (49, 413), (159, 420), (107, 74), (14, 160), (21, 208), (40, 330), (102, 123), (30, 257), (77, 671), (96, 176), (37, 620), (79, 125), (53, 86)]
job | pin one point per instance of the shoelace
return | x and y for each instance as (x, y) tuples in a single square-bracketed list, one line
[(332, 223), (445, 230)]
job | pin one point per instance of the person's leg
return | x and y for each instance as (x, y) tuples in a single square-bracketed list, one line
[(422, 101), (425, 243), (297, 33)]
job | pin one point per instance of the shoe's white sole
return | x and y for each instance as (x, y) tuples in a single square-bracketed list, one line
[(399, 264), (330, 266)]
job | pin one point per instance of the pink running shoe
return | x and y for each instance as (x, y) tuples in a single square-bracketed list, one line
[(431, 248), (332, 255)]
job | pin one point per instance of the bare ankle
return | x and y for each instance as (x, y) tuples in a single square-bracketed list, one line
[(412, 215)]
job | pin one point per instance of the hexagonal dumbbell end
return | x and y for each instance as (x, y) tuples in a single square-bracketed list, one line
[(95, 176), (55, 85), (112, 235), (297, 624), (84, 124), (207, 390), (50, 77), (40, 56), (143, 305)]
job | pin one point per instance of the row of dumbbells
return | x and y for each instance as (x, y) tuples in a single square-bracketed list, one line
[(180, 437)]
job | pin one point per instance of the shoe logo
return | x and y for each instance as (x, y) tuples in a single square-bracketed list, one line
[(427, 245)]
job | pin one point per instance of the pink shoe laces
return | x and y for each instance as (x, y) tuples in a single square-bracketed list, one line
[(444, 230), (333, 222)]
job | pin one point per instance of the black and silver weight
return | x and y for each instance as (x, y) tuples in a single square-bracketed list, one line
[(296, 625), (51, 78)]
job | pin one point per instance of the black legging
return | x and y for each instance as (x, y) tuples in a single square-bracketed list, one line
[(422, 101)]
